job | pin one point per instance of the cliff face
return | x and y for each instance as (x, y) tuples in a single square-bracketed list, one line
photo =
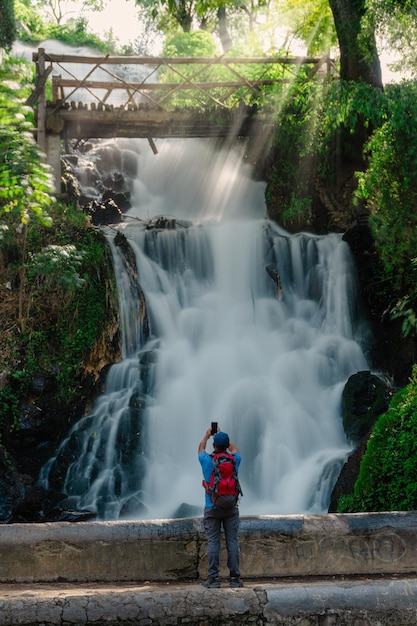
[(43, 389)]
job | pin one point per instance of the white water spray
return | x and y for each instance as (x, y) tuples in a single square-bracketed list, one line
[(222, 347)]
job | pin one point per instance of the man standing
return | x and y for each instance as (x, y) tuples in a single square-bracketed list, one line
[(215, 517)]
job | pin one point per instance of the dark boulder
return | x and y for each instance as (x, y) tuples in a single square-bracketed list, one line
[(161, 223), (345, 484), (365, 397), (104, 213), (121, 198)]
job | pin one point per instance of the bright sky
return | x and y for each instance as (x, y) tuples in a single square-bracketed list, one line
[(121, 17), (118, 15)]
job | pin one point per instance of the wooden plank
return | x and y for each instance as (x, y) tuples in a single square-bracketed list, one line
[(120, 60), (84, 123), (64, 82)]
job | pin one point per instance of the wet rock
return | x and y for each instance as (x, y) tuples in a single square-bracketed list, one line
[(103, 213), (29, 418), (11, 494), (114, 182), (161, 223), (187, 510), (72, 159), (130, 163), (70, 186), (365, 397), (345, 483), (121, 199), (109, 158), (133, 507), (64, 515), (43, 382)]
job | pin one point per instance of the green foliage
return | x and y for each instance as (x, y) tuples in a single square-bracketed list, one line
[(35, 28), (81, 324), (202, 44), (389, 189), (345, 504), (54, 264), (317, 122), (77, 308), (69, 285), (406, 306), (312, 22), (31, 26), (11, 395), (7, 24), (346, 103), (57, 266), (296, 145), (75, 33), (388, 474), (389, 185), (196, 44), (25, 181), (395, 22), (346, 107)]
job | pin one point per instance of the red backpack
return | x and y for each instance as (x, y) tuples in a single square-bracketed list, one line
[(223, 487)]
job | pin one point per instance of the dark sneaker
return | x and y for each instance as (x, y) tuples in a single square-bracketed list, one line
[(235, 582), (211, 583)]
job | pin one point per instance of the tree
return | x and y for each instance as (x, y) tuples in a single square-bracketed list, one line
[(59, 9), (359, 59), (7, 24), (312, 22), (219, 16), (395, 23)]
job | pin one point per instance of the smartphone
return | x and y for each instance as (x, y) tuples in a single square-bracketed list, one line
[(214, 428)]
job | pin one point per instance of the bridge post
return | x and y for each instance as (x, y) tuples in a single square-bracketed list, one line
[(48, 142), (40, 80)]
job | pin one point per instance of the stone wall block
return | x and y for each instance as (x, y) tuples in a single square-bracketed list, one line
[(173, 550)]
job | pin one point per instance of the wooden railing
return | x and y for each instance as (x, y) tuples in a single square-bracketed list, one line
[(190, 73), (110, 83)]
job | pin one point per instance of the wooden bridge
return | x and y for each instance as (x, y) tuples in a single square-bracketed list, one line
[(109, 96)]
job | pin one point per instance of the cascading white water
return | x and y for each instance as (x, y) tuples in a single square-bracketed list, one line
[(223, 346)]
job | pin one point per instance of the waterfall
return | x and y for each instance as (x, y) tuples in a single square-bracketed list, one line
[(223, 342)]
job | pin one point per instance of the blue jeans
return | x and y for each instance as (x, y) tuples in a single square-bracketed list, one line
[(213, 523)]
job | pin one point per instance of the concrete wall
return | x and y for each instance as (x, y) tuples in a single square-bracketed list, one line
[(271, 547)]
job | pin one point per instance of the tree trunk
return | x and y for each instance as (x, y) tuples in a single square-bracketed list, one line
[(183, 15), (225, 38), (358, 53)]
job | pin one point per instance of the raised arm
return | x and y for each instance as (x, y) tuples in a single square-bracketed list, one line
[(203, 442)]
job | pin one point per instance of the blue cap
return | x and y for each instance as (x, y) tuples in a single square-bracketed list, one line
[(221, 440)]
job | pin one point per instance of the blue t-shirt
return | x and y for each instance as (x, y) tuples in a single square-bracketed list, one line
[(206, 463)]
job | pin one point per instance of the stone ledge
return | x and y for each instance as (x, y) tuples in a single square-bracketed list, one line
[(326, 602), (172, 550)]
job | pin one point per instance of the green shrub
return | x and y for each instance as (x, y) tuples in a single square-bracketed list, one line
[(7, 24), (389, 189)]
